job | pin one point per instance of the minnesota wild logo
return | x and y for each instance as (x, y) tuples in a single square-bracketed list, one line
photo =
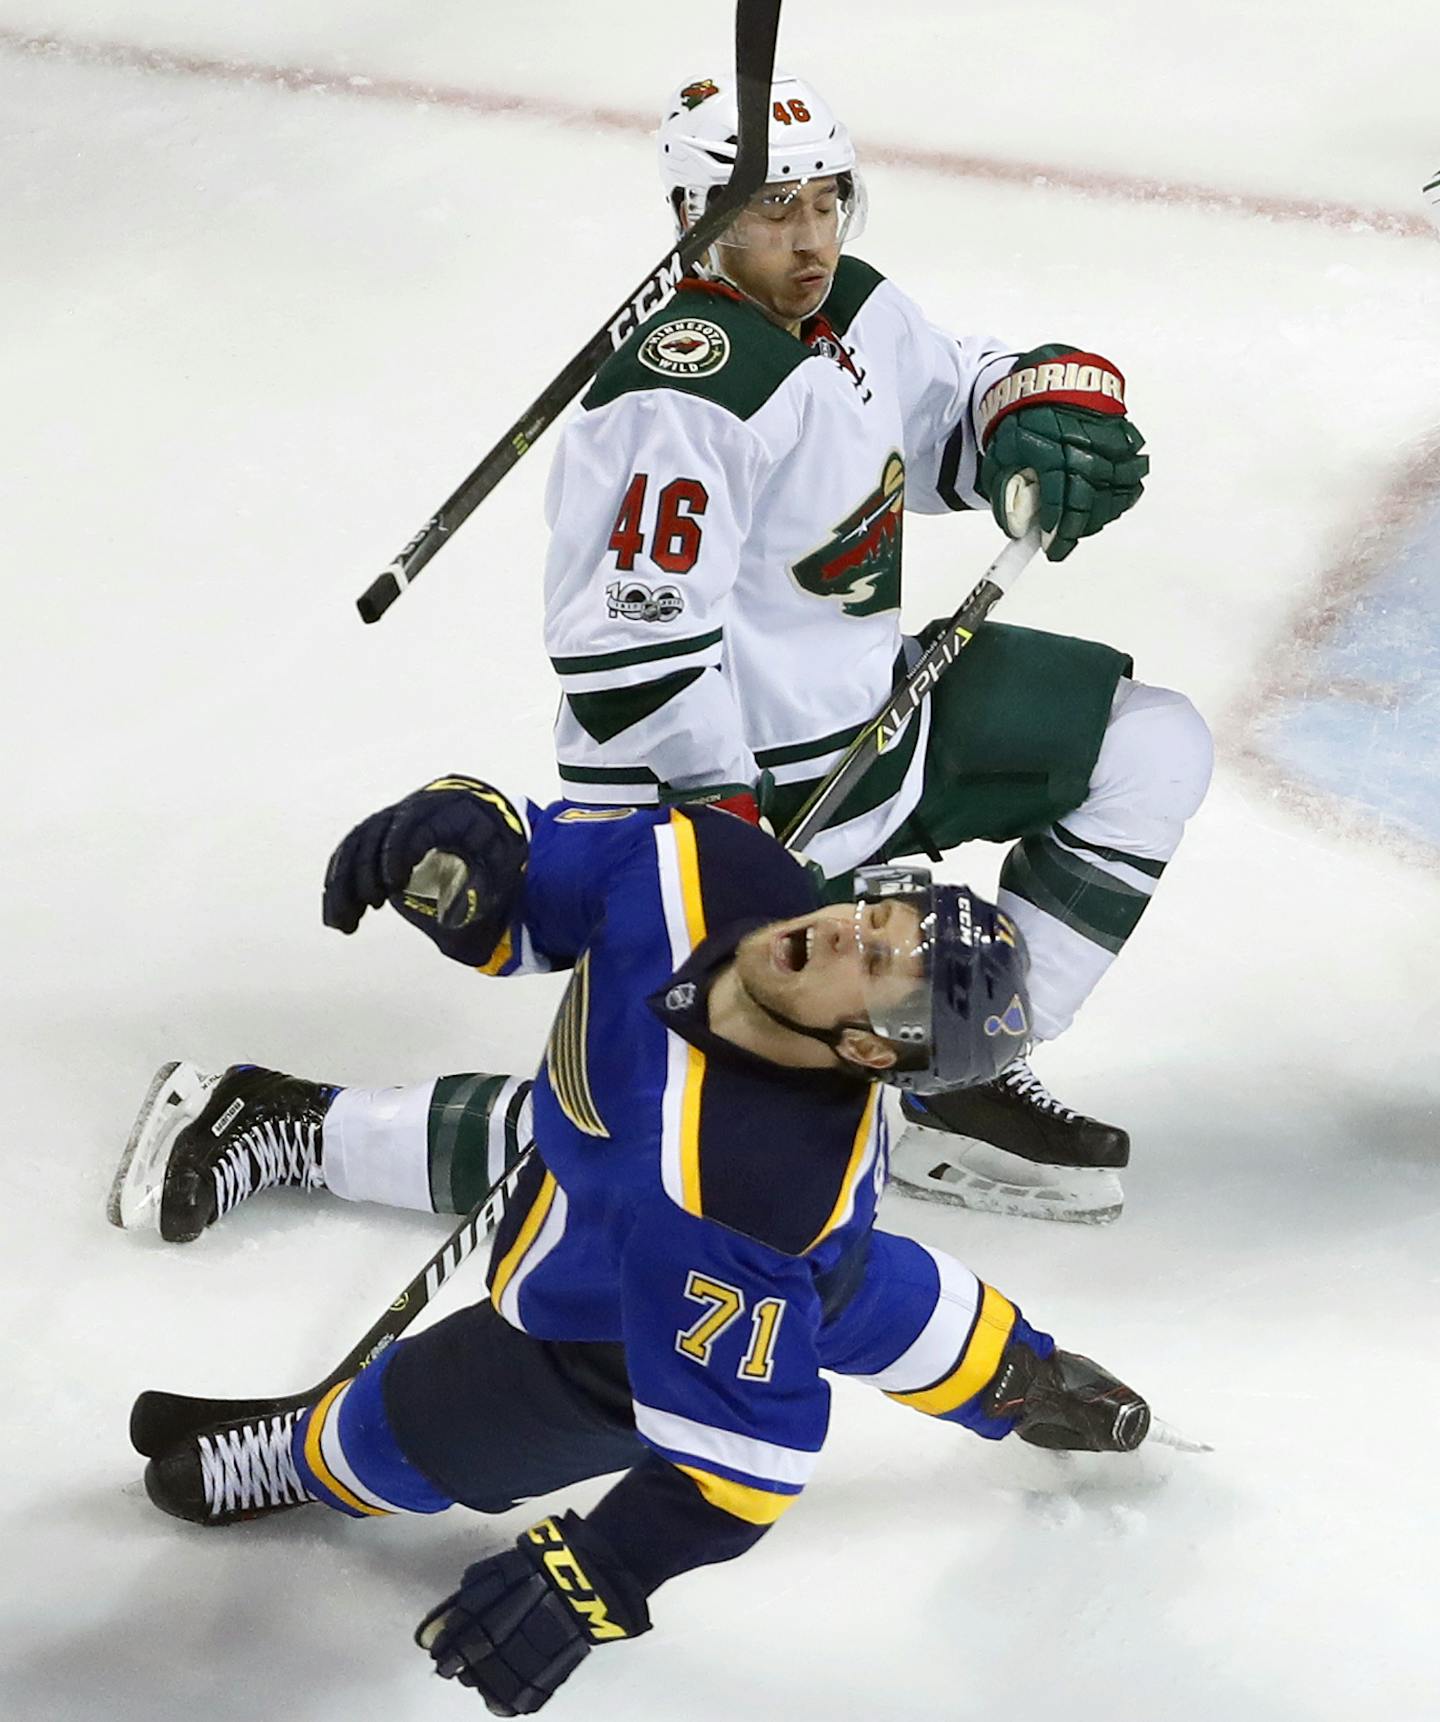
[(693, 94), (685, 347), (860, 565)]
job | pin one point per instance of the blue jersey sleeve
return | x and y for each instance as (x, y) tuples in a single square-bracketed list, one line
[(586, 864), (928, 1333), (579, 858)]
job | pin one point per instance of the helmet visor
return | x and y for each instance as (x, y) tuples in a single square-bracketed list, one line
[(800, 215), (895, 924)]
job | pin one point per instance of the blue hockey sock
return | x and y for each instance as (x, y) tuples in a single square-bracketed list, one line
[(348, 1458)]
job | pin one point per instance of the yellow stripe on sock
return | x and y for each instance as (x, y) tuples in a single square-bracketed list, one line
[(315, 1459)]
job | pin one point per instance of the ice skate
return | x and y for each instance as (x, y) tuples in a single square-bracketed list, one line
[(229, 1472), (176, 1097), (1010, 1147), (202, 1144)]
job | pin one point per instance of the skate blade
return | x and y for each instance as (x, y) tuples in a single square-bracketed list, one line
[(972, 1174), (177, 1094), (1164, 1436)]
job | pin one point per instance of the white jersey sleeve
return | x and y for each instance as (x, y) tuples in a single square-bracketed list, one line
[(649, 501), (940, 378)]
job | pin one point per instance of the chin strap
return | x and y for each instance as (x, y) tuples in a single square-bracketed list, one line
[(826, 1036), (831, 1037)]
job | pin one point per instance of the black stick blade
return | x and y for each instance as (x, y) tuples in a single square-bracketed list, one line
[(158, 1420), (377, 597)]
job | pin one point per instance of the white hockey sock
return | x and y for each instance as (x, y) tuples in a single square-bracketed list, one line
[(376, 1146), (1078, 890)]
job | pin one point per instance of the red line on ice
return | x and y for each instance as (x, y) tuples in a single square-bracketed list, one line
[(1093, 182)]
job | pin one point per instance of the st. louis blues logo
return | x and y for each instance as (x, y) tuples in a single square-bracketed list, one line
[(860, 565), (1011, 1021)]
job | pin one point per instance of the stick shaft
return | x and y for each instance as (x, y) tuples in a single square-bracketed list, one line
[(887, 726), (757, 23), (159, 1418)]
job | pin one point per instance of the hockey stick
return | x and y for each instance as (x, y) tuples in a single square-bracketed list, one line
[(888, 724), (159, 1419), (757, 22)]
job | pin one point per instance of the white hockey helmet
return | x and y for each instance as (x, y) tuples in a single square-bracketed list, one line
[(698, 139)]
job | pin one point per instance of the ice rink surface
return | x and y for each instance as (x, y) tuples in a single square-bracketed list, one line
[(263, 303)]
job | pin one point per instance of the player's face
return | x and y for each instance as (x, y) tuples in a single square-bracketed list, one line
[(825, 968), (784, 246)]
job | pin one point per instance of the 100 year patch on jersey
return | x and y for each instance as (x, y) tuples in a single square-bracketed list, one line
[(859, 565), (686, 347)]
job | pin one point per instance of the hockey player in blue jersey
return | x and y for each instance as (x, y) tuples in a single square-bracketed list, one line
[(693, 1240)]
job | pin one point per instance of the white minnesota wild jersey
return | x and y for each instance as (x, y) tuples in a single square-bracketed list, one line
[(723, 582)]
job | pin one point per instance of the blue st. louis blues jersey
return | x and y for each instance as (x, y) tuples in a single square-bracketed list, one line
[(711, 1211)]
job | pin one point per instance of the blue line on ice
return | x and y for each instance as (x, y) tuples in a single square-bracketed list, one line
[(1368, 730)]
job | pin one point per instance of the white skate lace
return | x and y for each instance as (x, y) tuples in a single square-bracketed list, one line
[(250, 1467), (266, 1155), (1023, 1083)]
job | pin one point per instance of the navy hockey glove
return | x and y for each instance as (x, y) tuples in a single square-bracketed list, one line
[(524, 1621), (1065, 1400), (465, 907), (1061, 414)]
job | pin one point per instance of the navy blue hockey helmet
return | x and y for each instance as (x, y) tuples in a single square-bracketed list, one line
[(966, 1014)]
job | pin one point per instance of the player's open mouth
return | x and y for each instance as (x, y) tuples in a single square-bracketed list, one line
[(791, 951)]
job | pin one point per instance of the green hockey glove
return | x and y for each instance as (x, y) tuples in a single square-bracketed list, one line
[(1061, 414)]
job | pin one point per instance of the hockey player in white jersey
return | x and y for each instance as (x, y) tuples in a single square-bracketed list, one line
[(723, 604), (723, 610)]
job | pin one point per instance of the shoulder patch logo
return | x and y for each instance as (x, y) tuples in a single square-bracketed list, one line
[(693, 94), (859, 567), (685, 347)]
